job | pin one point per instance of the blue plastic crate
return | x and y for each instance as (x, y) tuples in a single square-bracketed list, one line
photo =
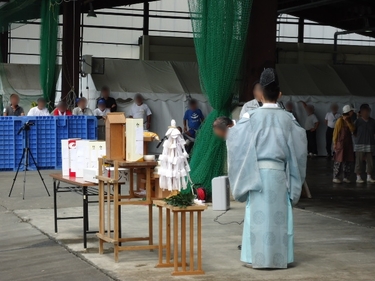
[(46, 142), (19, 142), (84, 127), (92, 128), (44, 138), (7, 143), (61, 133)]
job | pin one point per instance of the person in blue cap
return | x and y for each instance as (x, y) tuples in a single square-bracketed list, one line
[(102, 110), (82, 108)]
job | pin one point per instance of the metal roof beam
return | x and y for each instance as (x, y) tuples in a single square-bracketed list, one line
[(311, 5)]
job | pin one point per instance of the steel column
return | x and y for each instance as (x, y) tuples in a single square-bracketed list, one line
[(301, 30), (260, 51), (70, 49), (146, 17), (4, 46)]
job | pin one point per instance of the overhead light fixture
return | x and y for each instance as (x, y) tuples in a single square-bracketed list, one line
[(91, 13), (367, 26)]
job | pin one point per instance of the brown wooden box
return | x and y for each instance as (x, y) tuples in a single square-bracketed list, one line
[(115, 135)]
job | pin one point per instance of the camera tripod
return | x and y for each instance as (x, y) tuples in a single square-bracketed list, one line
[(25, 160)]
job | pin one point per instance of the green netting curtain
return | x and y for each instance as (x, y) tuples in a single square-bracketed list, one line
[(48, 50), (13, 15), (16, 13), (220, 29)]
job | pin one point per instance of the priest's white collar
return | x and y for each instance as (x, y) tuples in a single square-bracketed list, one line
[(270, 105)]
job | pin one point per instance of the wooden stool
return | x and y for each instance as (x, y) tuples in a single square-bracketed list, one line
[(181, 262), (109, 206)]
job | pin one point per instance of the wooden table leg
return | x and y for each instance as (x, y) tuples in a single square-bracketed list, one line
[(115, 211), (131, 182), (101, 215), (55, 203), (307, 190), (85, 216), (101, 206), (119, 215), (108, 210), (175, 241), (199, 241), (168, 234), (183, 241), (191, 241), (116, 220), (160, 235), (150, 229), (149, 201)]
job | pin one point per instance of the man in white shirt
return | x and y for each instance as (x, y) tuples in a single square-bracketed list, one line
[(139, 110), (102, 110), (40, 109), (81, 108), (331, 118)]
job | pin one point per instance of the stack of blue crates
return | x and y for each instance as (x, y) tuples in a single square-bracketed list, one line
[(44, 138), (7, 143)]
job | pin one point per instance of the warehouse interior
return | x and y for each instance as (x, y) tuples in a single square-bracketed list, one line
[(323, 51)]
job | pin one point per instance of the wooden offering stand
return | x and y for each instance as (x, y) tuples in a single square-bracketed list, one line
[(115, 136), (195, 241), (109, 206)]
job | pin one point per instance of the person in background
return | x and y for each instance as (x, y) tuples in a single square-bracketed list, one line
[(62, 109), (354, 116), (193, 119), (364, 143), (81, 108), (254, 103), (311, 125), (330, 119), (110, 102), (102, 110), (289, 108), (14, 109), (40, 109), (141, 110), (343, 145), (221, 126)]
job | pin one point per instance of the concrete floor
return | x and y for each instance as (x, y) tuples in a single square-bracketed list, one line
[(27, 254), (334, 237)]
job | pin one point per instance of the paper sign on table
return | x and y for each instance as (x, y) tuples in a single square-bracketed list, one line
[(134, 139)]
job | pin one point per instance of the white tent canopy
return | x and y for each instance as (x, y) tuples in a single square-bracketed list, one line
[(22, 79), (158, 77), (322, 85), (164, 85)]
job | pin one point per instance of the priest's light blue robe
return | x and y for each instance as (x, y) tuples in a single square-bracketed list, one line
[(267, 167)]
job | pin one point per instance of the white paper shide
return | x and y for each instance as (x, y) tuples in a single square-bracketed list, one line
[(174, 167)]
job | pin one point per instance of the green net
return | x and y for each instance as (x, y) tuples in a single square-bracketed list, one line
[(48, 50), (220, 29), (14, 15)]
